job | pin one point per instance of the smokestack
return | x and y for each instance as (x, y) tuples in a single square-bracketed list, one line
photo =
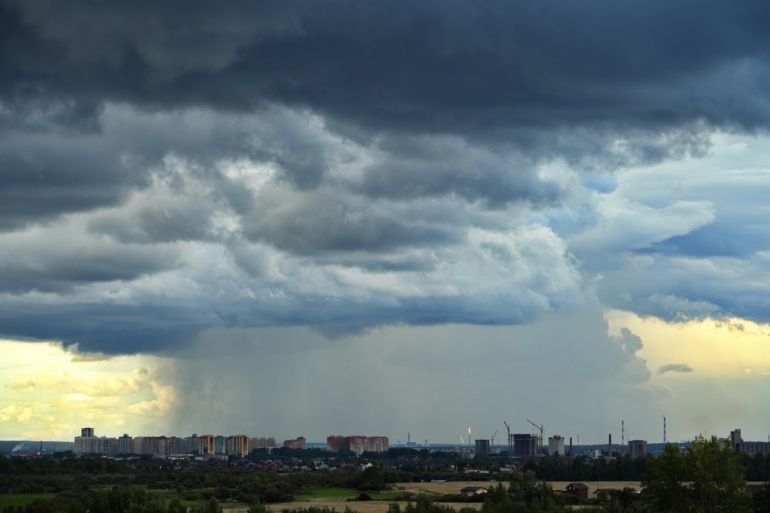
[(609, 450), (570, 447)]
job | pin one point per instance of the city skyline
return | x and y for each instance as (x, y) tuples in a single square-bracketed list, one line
[(305, 218)]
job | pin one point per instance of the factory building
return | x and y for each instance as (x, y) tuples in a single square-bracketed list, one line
[(750, 448)]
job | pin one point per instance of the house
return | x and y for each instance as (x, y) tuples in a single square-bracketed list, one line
[(603, 493), (470, 491), (577, 489)]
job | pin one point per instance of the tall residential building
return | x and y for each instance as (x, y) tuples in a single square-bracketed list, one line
[(555, 445), (482, 447), (524, 445), (206, 445), (261, 442), (87, 443), (192, 444), (237, 445), (297, 443), (357, 444), (220, 445), (125, 445), (637, 449)]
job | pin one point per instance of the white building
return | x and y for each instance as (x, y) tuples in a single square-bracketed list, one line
[(556, 445)]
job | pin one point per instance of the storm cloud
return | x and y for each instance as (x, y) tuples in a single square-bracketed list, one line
[(167, 168)]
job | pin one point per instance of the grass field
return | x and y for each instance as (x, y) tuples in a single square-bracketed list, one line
[(22, 499), (327, 492)]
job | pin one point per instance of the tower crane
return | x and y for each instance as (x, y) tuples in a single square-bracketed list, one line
[(493, 440), (540, 427), (510, 449)]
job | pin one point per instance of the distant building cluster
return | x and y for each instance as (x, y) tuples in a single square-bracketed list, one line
[(297, 443), (357, 444), (750, 448), (166, 446)]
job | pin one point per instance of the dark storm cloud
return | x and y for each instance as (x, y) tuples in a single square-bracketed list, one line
[(59, 259), (320, 221), (437, 66), (43, 176), (113, 329), (422, 167), (295, 137), (125, 329)]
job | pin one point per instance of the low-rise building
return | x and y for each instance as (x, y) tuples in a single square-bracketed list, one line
[(577, 489), (470, 491)]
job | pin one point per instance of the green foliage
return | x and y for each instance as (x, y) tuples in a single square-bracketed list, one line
[(525, 487), (257, 507), (212, 506), (707, 478), (21, 499), (424, 504), (761, 500)]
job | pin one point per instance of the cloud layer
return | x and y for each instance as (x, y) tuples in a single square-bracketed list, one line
[(171, 168)]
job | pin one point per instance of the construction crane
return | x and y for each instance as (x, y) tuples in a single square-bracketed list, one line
[(493, 440), (510, 449), (539, 445)]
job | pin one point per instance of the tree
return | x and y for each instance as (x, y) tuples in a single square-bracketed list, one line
[(526, 488), (707, 478)]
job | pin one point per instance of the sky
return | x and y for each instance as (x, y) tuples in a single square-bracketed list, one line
[(331, 217)]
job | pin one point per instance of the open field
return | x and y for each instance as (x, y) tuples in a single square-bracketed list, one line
[(22, 499), (337, 498), (362, 507), (328, 492)]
